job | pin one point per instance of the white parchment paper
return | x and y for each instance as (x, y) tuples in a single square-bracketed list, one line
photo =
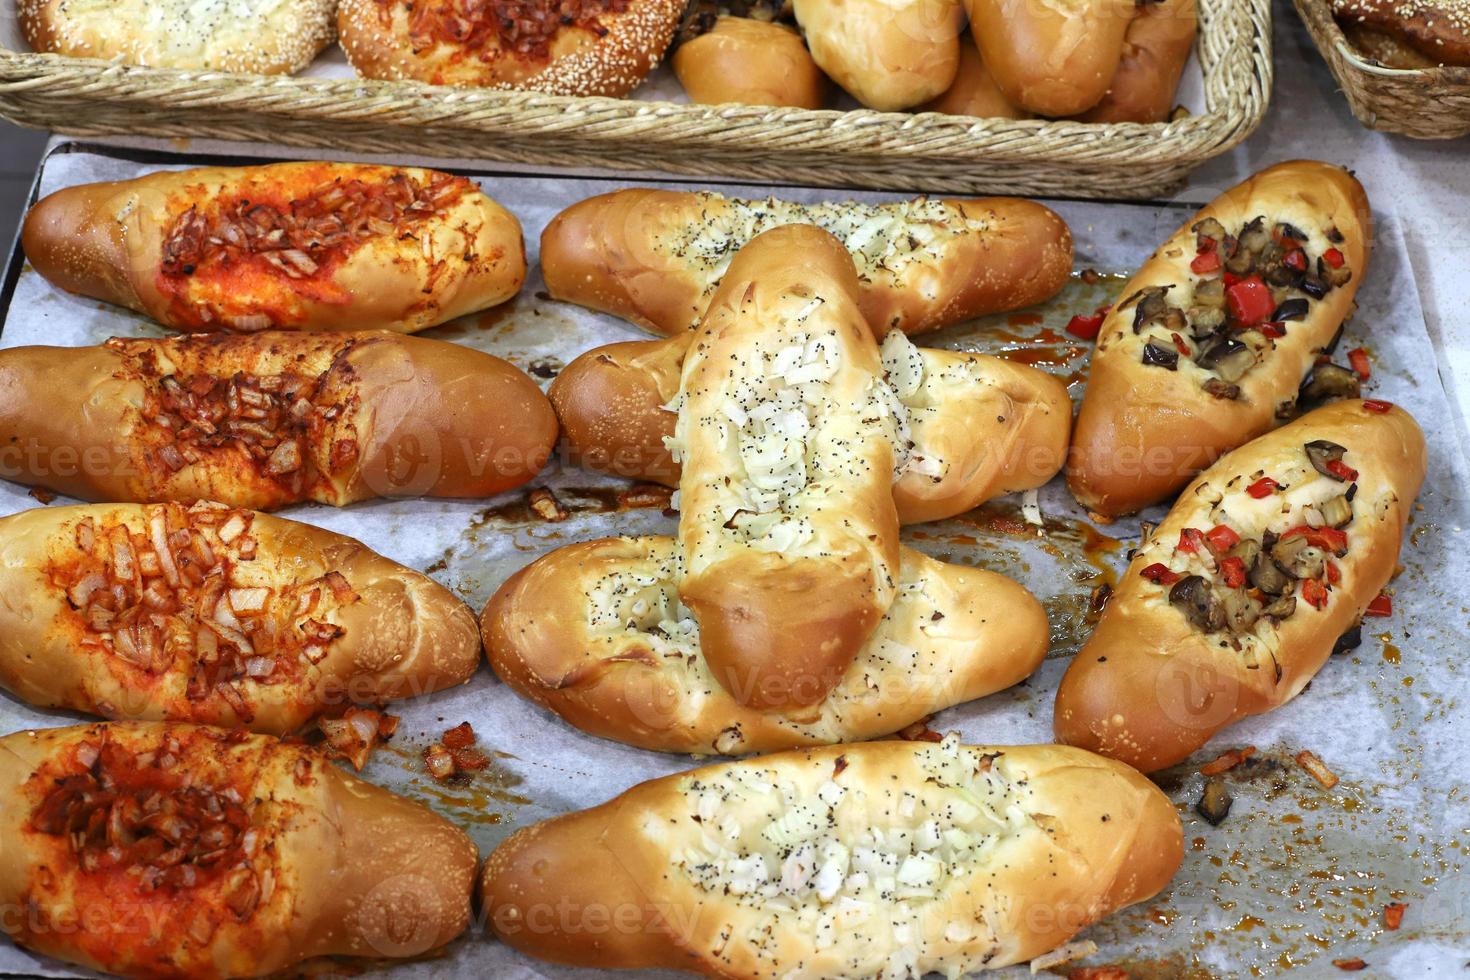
[(1295, 876)]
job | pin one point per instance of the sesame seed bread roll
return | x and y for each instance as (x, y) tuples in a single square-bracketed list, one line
[(209, 854), (1207, 345), (576, 47), (269, 419), (1238, 598), (884, 859), (287, 246), (595, 632), (1051, 57), (274, 37), (1409, 33), (654, 257), (888, 54), (980, 426), (787, 436), (214, 615)]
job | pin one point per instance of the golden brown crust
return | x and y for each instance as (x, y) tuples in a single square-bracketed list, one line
[(995, 427), (654, 257), (1385, 49), (974, 92), (887, 54), (566, 632), (1438, 31), (383, 415), (133, 243), (1142, 432), (1155, 51), (378, 631), (339, 866), (750, 62), (1052, 57), (1080, 837), (1149, 687), (608, 54)]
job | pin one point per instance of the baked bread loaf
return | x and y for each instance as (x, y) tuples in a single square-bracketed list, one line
[(974, 92), (1210, 340), (889, 859), (979, 426), (1155, 51), (570, 47), (270, 419), (654, 257), (279, 37), (887, 54), (1055, 58), (595, 633), (751, 62), (788, 440), (214, 615), (1437, 31), (207, 854), (298, 246), (1236, 600)]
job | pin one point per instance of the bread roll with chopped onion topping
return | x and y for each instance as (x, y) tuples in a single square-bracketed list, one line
[(881, 859), (214, 615), (270, 419), (1236, 600), (287, 246), (980, 426), (789, 441), (750, 62), (152, 850), (1208, 343), (655, 257), (595, 632), (1155, 51), (1055, 57), (887, 54)]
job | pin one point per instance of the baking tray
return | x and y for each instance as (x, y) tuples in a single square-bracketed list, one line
[(1295, 877)]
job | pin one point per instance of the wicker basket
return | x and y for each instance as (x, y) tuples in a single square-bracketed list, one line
[(928, 152), (1425, 103)]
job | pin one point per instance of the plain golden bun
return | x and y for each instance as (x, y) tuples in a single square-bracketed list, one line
[(974, 92), (750, 62), (887, 54), (1051, 57), (1155, 51)]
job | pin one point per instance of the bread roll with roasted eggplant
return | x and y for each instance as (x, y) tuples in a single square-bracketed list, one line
[(1155, 51), (287, 246), (152, 850), (887, 54), (1211, 339), (1053, 58), (974, 91), (979, 426), (655, 257), (790, 445), (750, 62), (215, 615), (595, 632), (886, 859), (1237, 599), (270, 419)]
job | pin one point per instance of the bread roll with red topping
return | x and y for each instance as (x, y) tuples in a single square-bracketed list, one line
[(152, 850), (1237, 599), (270, 419), (287, 246), (215, 615), (750, 62)]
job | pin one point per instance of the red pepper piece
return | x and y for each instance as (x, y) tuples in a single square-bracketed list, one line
[(1382, 605), (1205, 262), (1393, 915), (1314, 593), (1275, 331), (1191, 540), (1334, 574), (1221, 539), (1180, 345), (1326, 538), (1250, 301), (1160, 573), (1263, 487), (1358, 361), (1333, 258), (1377, 407), (1342, 470), (1085, 327), (1296, 260), (1233, 571)]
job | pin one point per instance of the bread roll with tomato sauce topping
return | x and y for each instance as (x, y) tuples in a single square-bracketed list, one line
[(1155, 51), (891, 859), (594, 632), (655, 257), (750, 62), (1051, 57), (287, 246), (153, 850), (215, 615), (1210, 340), (980, 426), (974, 92), (789, 443), (572, 47), (1237, 599), (270, 419), (887, 54)]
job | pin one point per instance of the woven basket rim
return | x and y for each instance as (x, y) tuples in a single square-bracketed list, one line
[(1327, 24)]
